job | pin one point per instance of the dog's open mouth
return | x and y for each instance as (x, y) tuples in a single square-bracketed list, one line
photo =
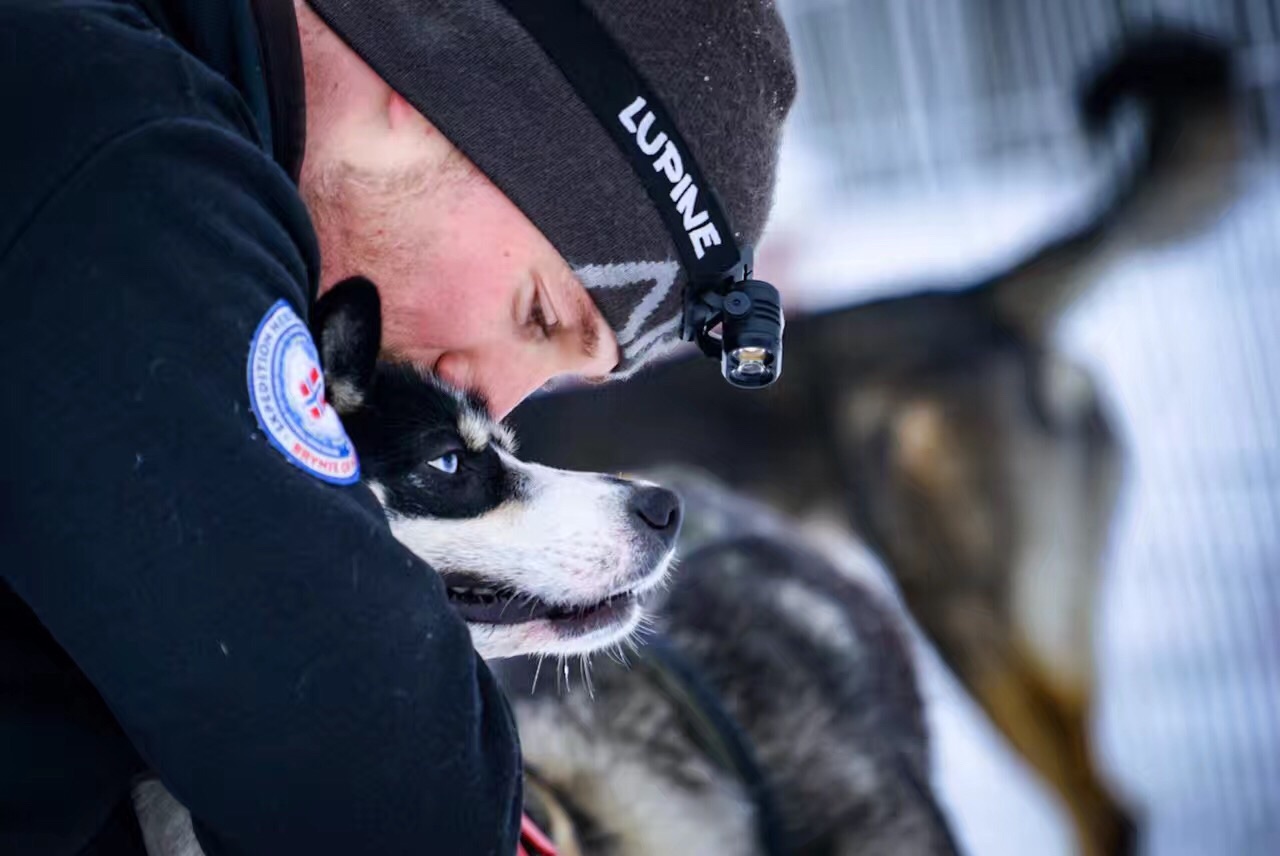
[(481, 602)]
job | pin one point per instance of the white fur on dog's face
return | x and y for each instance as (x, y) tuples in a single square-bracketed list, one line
[(565, 538)]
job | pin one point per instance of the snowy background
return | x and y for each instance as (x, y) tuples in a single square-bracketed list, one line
[(934, 140)]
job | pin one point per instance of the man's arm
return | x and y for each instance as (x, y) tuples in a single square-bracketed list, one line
[(295, 676)]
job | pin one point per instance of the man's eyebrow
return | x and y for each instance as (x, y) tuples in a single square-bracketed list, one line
[(588, 330)]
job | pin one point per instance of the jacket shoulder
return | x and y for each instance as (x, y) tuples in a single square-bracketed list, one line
[(77, 74)]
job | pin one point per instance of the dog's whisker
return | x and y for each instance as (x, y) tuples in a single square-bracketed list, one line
[(632, 642), (537, 670), (644, 630), (614, 653)]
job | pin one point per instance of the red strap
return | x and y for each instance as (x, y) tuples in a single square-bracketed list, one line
[(533, 841)]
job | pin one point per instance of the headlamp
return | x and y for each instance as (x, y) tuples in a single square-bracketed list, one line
[(738, 321)]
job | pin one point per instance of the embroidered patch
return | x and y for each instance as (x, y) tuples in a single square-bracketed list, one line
[(286, 394)]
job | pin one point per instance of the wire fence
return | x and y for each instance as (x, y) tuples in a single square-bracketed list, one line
[(907, 92)]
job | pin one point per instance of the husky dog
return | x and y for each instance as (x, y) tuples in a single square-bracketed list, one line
[(810, 665), (535, 560), (977, 460)]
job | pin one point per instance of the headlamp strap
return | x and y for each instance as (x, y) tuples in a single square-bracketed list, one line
[(634, 117)]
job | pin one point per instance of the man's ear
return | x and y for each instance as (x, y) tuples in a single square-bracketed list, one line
[(347, 325)]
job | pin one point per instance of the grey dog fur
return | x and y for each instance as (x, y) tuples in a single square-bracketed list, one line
[(814, 666)]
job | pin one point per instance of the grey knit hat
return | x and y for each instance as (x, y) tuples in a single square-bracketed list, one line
[(722, 68)]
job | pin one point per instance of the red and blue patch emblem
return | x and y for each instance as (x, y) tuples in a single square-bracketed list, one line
[(286, 394)]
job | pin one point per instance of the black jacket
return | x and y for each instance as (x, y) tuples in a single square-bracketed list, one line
[(174, 594)]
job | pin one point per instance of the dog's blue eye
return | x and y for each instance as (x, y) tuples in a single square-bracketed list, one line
[(445, 463)]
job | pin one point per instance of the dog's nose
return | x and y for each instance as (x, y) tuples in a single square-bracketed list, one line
[(657, 507)]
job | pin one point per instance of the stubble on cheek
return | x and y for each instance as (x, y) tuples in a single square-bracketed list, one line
[(393, 226), (375, 224)]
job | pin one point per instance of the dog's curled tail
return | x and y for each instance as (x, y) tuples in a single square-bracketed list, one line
[(1180, 179), (1171, 74)]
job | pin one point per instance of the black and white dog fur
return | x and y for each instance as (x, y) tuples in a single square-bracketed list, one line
[(536, 560)]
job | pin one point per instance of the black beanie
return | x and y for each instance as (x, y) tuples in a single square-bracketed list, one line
[(722, 69)]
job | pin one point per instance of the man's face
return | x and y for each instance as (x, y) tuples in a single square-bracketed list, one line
[(469, 286)]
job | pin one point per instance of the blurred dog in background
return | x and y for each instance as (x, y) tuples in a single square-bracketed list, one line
[(943, 425)]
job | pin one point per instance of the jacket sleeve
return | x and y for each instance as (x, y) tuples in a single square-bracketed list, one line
[(295, 676)]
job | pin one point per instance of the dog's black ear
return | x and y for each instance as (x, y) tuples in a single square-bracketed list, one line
[(347, 325)]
